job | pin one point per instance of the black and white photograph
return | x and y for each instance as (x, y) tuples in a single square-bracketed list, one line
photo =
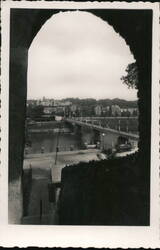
[(82, 134)]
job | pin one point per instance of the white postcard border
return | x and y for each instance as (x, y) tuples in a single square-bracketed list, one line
[(83, 236)]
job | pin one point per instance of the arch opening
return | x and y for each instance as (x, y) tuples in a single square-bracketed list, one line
[(78, 54), (142, 60)]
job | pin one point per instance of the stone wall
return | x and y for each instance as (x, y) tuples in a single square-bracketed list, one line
[(103, 193)]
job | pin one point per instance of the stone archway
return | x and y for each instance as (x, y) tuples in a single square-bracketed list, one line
[(25, 24)]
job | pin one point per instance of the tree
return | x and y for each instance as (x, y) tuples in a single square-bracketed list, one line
[(36, 111), (131, 79)]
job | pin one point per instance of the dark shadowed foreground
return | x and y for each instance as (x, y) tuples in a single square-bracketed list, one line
[(109, 192)]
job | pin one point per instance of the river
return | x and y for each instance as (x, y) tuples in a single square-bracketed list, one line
[(48, 141), (43, 136)]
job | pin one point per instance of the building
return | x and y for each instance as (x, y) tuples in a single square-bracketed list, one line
[(106, 111), (66, 103), (73, 108), (31, 103), (38, 102), (129, 111), (47, 102), (49, 110), (62, 103), (98, 110), (115, 110), (133, 111)]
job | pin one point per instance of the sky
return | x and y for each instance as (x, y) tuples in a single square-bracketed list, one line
[(77, 54)]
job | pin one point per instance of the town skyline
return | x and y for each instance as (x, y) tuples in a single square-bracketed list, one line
[(80, 98), (83, 107)]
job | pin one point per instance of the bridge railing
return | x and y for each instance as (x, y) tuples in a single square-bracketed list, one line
[(105, 117), (117, 123), (104, 129)]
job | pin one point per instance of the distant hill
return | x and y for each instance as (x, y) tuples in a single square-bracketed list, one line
[(104, 102)]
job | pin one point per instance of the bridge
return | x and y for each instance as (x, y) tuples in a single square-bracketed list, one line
[(103, 129), (107, 136), (106, 118)]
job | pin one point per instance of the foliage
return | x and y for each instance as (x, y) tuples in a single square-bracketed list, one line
[(131, 79), (89, 102), (35, 111), (106, 192)]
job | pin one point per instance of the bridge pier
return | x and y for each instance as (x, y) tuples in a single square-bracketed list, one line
[(108, 140), (87, 135)]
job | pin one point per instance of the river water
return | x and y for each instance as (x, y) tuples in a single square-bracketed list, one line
[(48, 141)]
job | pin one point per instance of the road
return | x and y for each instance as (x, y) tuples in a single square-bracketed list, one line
[(45, 171)]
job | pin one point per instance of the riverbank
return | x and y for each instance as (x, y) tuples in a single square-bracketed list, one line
[(48, 142), (75, 152), (70, 158), (49, 130), (63, 158)]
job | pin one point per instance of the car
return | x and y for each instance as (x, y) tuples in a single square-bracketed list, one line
[(101, 156), (125, 153), (123, 147)]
